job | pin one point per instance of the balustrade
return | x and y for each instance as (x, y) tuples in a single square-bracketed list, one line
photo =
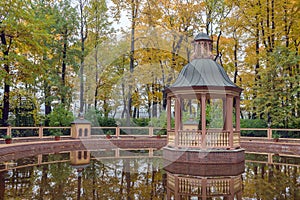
[(217, 138), (202, 186), (193, 139), (236, 138), (218, 187), (191, 186), (171, 137), (189, 138)]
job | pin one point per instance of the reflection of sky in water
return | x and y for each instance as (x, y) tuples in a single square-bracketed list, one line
[(145, 175)]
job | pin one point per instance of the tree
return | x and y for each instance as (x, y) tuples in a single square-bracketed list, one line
[(271, 85), (83, 36), (99, 30), (22, 34)]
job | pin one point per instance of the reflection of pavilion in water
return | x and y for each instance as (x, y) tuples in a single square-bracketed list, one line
[(194, 181)]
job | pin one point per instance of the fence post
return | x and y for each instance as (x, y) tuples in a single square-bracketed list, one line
[(40, 159), (40, 132), (269, 133), (270, 158), (118, 131), (150, 131), (8, 132), (117, 153), (151, 153)]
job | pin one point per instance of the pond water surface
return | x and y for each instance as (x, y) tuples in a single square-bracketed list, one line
[(142, 174)]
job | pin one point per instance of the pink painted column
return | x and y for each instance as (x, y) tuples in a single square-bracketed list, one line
[(237, 117), (180, 113), (203, 120), (229, 127), (169, 113), (237, 114), (224, 114), (177, 119)]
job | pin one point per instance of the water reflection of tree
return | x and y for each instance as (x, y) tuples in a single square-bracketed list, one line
[(123, 179), (266, 181), (2, 184), (106, 179)]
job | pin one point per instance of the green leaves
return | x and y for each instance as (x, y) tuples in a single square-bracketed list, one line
[(60, 117)]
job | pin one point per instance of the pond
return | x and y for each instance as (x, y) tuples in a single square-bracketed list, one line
[(143, 174)]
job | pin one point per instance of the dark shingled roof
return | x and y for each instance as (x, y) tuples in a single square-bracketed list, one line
[(203, 72), (202, 36)]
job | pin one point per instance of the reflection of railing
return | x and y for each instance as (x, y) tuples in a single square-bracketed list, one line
[(218, 187), (204, 186), (101, 154), (188, 186)]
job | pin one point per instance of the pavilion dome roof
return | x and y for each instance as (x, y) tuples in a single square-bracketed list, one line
[(203, 72), (202, 36)]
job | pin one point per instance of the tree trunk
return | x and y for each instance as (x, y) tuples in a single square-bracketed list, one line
[(257, 77), (3, 174), (235, 57), (131, 57), (96, 78), (5, 109), (83, 36), (217, 48), (47, 94), (64, 66)]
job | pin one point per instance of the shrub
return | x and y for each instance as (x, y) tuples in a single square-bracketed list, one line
[(104, 121), (59, 117), (253, 123)]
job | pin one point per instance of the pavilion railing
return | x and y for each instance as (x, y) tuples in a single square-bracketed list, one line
[(189, 138), (194, 139), (171, 137), (217, 138), (236, 138)]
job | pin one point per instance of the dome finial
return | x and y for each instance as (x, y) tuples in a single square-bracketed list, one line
[(202, 47), (203, 28)]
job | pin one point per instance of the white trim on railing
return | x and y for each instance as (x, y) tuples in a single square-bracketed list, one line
[(150, 130)]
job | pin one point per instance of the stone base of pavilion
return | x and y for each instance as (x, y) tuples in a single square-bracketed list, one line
[(205, 170), (204, 156)]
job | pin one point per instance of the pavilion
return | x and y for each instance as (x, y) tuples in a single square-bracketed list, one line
[(202, 85)]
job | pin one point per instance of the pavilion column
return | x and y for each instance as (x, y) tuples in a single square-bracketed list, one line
[(229, 127), (237, 117), (203, 120), (169, 113), (224, 114), (177, 119), (237, 114)]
